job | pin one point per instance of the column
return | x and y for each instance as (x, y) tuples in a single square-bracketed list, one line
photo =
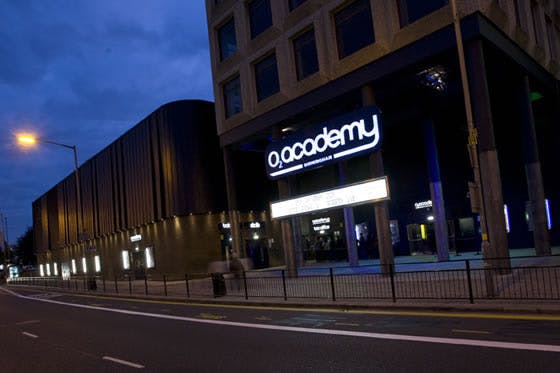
[(349, 222), (381, 209), (286, 225), (491, 184), (231, 192), (436, 192), (533, 169)]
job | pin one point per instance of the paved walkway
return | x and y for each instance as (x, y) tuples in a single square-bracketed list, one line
[(365, 288)]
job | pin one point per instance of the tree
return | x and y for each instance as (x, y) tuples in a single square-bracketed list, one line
[(23, 250)]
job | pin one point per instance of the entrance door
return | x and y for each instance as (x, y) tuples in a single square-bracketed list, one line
[(139, 264)]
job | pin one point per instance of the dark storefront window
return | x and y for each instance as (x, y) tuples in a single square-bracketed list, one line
[(295, 3), (354, 28), (305, 52), (260, 16), (227, 39), (266, 77), (232, 97), (413, 10)]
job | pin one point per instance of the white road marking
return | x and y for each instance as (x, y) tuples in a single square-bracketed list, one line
[(123, 362), (27, 322), (30, 335), (347, 333)]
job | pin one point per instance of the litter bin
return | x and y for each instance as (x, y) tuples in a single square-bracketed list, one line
[(218, 284), (92, 284)]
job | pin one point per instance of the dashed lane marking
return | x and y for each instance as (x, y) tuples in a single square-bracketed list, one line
[(28, 322), (123, 362), (470, 331), (30, 335), (345, 324), (210, 316)]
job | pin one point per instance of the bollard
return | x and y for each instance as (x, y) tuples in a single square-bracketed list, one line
[(284, 284), (165, 284), (469, 281), (187, 285), (332, 284)]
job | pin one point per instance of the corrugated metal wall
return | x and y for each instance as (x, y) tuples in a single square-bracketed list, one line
[(169, 164)]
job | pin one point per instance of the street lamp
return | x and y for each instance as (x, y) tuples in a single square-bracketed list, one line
[(29, 140)]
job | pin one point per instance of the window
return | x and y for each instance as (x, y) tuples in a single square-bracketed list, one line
[(536, 23), (84, 265), (413, 10), (354, 28), (232, 97), (97, 262), (552, 45), (295, 3), (227, 40), (125, 259), (260, 16), (305, 52), (74, 267), (266, 77), (149, 253)]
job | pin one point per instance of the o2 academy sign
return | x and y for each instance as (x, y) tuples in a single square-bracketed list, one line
[(337, 139)]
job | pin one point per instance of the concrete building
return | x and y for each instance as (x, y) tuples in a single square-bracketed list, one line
[(281, 67), (153, 202)]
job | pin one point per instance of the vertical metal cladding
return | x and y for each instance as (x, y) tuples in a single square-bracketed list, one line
[(168, 164)]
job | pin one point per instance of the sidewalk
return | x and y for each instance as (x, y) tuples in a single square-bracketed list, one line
[(358, 288)]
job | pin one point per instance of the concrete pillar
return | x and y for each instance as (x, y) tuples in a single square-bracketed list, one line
[(231, 192), (349, 222), (287, 232), (286, 225), (381, 209), (436, 192), (533, 169), (491, 184)]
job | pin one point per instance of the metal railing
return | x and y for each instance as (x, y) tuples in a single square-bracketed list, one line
[(527, 278)]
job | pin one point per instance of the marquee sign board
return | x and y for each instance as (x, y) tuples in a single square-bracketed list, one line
[(342, 137), (373, 190)]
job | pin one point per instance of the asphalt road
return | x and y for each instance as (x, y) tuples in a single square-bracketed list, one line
[(49, 332)]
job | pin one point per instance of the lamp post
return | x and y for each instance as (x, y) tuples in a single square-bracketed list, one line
[(28, 140)]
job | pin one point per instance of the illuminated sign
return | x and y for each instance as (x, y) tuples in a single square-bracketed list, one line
[(136, 238), (255, 224), (372, 190), (339, 138), (321, 221), (319, 228), (423, 204), (226, 225)]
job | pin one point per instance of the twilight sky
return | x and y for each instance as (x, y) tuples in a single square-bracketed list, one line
[(82, 72)]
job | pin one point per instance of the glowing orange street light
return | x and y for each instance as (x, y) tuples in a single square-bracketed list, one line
[(28, 140)]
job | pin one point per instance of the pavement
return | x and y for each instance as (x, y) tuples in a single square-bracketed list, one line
[(521, 257)]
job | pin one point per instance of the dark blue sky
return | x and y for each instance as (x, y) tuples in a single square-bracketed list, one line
[(82, 72)]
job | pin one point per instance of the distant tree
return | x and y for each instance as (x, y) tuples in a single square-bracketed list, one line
[(23, 250)]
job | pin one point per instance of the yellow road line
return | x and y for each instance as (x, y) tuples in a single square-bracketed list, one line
[(464, 315), (470, 331)]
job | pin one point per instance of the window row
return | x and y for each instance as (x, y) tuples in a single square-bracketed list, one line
[(353, 22), (354, 29)]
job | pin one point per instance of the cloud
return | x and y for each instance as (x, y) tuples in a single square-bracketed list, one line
[(82, 73)]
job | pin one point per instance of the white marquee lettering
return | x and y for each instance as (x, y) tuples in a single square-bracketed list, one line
[(324, 140)]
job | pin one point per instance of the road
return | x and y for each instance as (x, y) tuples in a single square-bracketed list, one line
[(50, 332)]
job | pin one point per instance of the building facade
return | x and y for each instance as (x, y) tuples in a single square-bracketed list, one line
[(153, 203), (280, 67)]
